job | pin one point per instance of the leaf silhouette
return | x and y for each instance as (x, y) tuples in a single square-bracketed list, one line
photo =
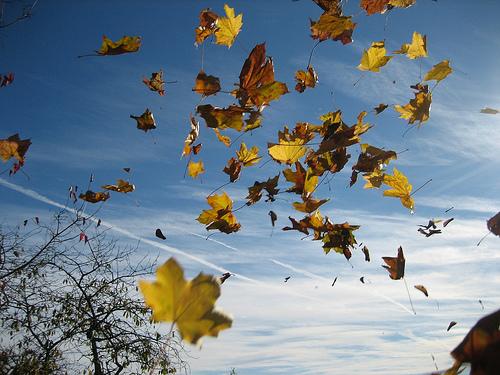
[(146, 121), (395, 265), (493, 224), (228, 27), (423, 289), (159, 234), (273, 217)]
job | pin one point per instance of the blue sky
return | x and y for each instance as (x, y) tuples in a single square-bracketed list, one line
[(76, 112)]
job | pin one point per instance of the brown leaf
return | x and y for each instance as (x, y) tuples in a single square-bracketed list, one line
[(335, 27), (14, 147), (233, 169), (305, 79), (156, 82), (395, 265), (493, 224), (367, 253), (192, 136), (206, 85), (121, 186), (380, 108), (452, 324), (6, 79), (273, 217), (222, 118), (207, 27), (255, 191), (92, 197), (145, 121), (422, 288)]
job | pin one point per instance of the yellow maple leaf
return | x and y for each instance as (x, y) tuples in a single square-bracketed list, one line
[(220, 216), (439, 71), (335, 27), (287, 151), (124, 45), (374, 57), (222, 118), (417, 48), (374, 179), (121, 186), (401, 188), (309, 205), (417, 109), (188, 304), (228, 27), (195, 168), (248, 157)]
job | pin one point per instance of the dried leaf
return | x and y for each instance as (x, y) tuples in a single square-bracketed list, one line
[(120, 187), (222, 138), (439, 71), (228, 27), (273, 217), (417, 48), (248, 157), (188, 304), (255, 191), (206, 85), (374, 57), (395, 265), (401, 188), (309, 205), (335, 27), (493, 224), (195, 168), (14, 147), (305, 79), (92, 197), (380, 108), (451, 325), (366, 252), (490, 111), (6, 79), (422, 288), (207, 27), (124, 45), (193, 134), (222, 118), (233, 169), (159, 234), (156, 82), (220, 216), (146, 121), (418, 108)]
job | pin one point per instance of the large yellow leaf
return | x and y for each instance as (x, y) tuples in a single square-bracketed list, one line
[(222, 118), (124, 45), (220, 216), (439, 71), (195, 168), (287, 152), (401, 188), (248, 157), (188, 304), (374, 57), (417, 47), (228, 27)]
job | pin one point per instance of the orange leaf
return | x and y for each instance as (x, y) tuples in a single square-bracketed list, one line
[(92, 197), (206, 85), (146, 121), (14, 147), (120, 187)]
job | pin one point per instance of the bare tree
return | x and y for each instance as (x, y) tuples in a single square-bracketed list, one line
[(69, 303)]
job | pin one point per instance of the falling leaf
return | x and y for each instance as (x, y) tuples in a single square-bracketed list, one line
[(146, 121), (452, 324), (439, 71), (290, 147), (331, 161), (92, 197), (480, 346), (374, 57), (156, 82), (124, 45), (362, 279), (395, 265), (159, 234), (330, 6), (220, 216), (120, 187), (257, 85), (490, 111), (207, 27), (366, 252), (430, 232), (287, 278), (309, 204), (334, 280), (193, 134), (233, 169), (417, 48), (305, 79), (305, 182), (206, 85), (401, 188), (6, 79), (223, 138), (371, 159), (335, 27), (402, 3), (222, 118), (83, 237), (224, 277), (14, 147), (195, 168), (418, 108), (255, 191), (273, 217), (188, 304), (422, 288), (228, 27), (197, 148), (126, 169), (248, 157), (446, 222), (381, 6), (380, 108), (493, 224), (340, 238)]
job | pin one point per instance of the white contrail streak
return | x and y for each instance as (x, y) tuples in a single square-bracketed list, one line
[(301, 271)]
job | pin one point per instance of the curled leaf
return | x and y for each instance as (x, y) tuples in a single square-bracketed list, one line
[(159, 234), (395, 265), (305, 79), (195, 168), (121, 186), (220, 216), (206, 85), (126, 44), (417, 48), (193, 134), (146, 121), (14, 147), (423, 289), (92, 197), (156, 82)]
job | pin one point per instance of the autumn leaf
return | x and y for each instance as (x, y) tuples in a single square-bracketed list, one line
[(401, 188), (493, 224), (195, 168), (305, 182), (14, 147), (374, 57), (146, 121), (159, 234), (439, 71), (273, 217), (156, 82), (233, 169), (423, 289), (222, 118), (395, 265), (222, 138), (305, 79), (366, 253), (340, 238), (255, 191), (480, 346), (206, 85), (371, 159), (418, 108), (309, 204), (126, 44), (92, 197), (290, 147), (417, 48), (373, 180), (207, 27), (248, 157), (228, 27), (380, 108), (188, 304), (402, 3), (451, 325), (192, 136), (381, 6), (257, 85), (7, 79), (330, 6), (490, 111), (335, 27), (220, 216), (120, 187)]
